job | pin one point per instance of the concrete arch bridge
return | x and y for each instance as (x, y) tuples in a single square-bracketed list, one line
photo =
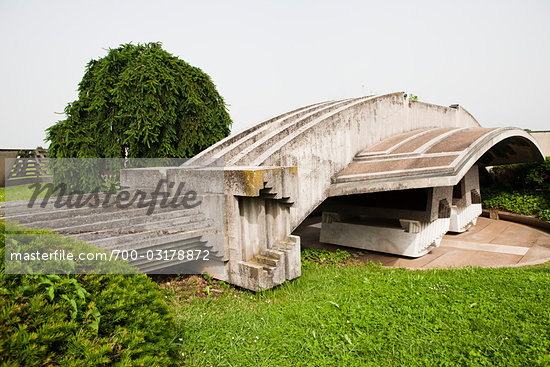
[(387, 173)]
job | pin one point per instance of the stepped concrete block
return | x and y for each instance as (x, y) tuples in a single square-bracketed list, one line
[(406, 237), (463, 218), (466, 201)]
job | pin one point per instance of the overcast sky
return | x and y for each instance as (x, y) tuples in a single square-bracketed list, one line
[(266, 58)]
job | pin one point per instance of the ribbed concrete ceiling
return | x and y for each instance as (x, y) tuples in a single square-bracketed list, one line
[(424, 153)]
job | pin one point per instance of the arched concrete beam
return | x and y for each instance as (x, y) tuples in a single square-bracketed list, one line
[(498, 146)]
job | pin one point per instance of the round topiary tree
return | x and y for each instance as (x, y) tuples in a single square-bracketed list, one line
[(140, 101)]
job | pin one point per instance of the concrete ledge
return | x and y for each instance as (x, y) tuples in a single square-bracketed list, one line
[(517, 218)]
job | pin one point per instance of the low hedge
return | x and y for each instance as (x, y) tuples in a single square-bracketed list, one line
[(525, 202), (83, 320), (520, 188)]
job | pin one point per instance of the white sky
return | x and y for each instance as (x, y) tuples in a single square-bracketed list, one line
[(266, 58)]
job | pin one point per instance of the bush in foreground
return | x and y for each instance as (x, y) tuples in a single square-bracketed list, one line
[(82, 320)]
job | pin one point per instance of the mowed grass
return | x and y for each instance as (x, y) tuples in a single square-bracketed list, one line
[(364, 314), (20, 192)]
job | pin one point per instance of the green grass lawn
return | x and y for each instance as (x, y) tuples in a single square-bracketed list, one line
[(15, 193), (364, 314)]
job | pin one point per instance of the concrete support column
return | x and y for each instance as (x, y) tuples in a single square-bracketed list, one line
[(466, 206)]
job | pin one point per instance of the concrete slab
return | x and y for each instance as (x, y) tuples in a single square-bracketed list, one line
[(516, 234), (421, 261), (488, 247), (536, 253), (480, 225), (492, 230), (461, 258), (543, 239), (418, 142)]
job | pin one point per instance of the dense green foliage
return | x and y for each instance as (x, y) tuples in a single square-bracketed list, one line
[(83, 320), (364, 314), (525, 202), (140, 101), (521, 188), (521, 176)]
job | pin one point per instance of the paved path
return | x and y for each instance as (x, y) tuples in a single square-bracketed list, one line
[(491, 243)]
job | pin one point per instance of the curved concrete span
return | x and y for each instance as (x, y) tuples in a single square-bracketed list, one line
[(387, 173)]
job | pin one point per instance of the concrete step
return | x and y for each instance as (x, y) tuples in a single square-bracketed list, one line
[(21, 206), (191, 244), (129, 229), (274, 146), (132, 239), (97, 223), (173, 225), (244, 138), (158, 268), (267, 260), (22, 214), (61, 221), (148, 239), (252, 151), (244, 144)]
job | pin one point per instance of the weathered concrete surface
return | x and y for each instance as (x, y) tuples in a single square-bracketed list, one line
[(402, 237), (431, 158), (323, 141), (543, 138), (278, 172), (466, 202)]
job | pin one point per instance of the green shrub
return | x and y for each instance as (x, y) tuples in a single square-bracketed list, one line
[(523, 202), (523, 176), (83, 320), (520, 188), (544, 214), (140, 101)]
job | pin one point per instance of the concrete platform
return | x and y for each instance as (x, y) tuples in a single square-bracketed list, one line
[(491, 243)]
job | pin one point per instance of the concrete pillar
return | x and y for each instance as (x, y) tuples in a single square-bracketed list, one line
[(466, 202)]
